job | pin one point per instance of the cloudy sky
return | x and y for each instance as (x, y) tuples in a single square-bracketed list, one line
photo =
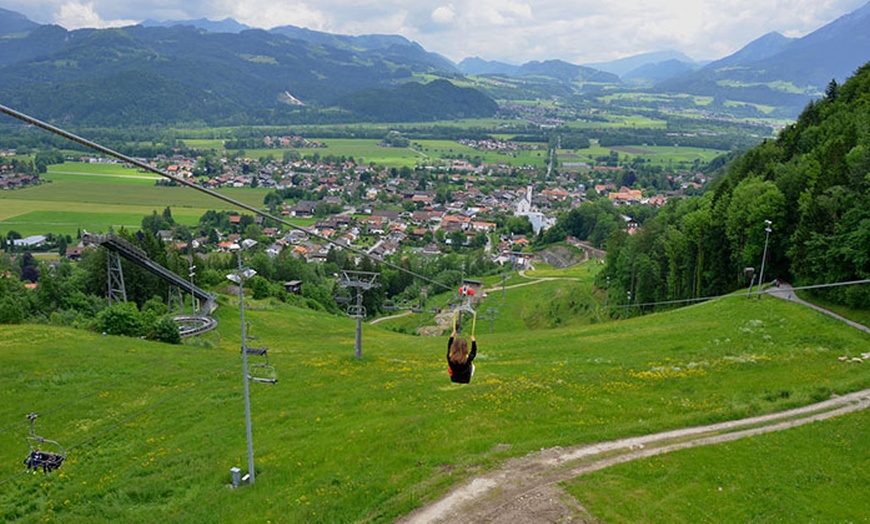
[(514, 31)]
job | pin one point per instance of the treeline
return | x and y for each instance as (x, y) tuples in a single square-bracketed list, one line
[(813, 186), (414, 102)]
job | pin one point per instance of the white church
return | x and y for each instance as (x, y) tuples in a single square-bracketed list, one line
[(524, 208)]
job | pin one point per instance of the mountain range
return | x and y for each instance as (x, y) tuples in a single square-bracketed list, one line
[(226, 72), (776, 70)]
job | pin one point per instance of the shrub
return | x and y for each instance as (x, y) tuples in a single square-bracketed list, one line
[(121, 319)]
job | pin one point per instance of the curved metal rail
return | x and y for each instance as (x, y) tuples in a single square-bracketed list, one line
[(190, 325)]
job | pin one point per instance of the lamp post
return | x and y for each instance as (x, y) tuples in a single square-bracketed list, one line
[(239, 277), (764, 255), (193, 245)]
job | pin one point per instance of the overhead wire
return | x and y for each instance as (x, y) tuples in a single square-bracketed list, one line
[(146, 409), (184, 182), (130, 417), (732, 295), (70, 402)]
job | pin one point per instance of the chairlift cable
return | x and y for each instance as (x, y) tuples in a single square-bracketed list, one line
[(91, 394), (127, 419), (13, 477), (181, 181), (734, 295), (145, 410)]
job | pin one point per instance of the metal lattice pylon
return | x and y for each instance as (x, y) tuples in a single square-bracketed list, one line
[(117, 291)]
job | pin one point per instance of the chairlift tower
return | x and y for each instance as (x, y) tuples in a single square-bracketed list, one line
[(362, 281), (491, 315)]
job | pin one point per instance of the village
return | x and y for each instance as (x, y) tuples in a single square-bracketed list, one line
[(430, 210)]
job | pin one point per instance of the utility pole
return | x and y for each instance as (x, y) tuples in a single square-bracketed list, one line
[(192, 272)]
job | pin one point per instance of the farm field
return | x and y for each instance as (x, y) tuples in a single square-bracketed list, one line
[(96, 196), (153, 430), (439, 151), (652, 154), (421, 152)]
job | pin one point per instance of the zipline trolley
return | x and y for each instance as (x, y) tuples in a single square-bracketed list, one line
[(464, 311)]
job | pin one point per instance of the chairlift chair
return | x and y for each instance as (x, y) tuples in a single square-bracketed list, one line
[(261, 372), (355, 311), (44, 453)]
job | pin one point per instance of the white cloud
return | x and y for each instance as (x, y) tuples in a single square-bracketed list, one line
[(75, 15), (443, 14), (268, 14), (515, 31)]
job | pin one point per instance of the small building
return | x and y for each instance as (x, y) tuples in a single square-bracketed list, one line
[(293, 286), (31, 241)]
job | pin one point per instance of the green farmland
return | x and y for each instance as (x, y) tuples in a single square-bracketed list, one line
[(95, 197), (653, 155), (421, 152)]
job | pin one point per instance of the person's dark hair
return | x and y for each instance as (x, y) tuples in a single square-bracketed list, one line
[(459, 351)]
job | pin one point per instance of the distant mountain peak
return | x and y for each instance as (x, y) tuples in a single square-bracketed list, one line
[(623, 66), (227, 25), (762, 47), (12, 23), (478, 66)]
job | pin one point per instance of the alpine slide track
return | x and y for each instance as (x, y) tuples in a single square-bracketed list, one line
[(118, 248)]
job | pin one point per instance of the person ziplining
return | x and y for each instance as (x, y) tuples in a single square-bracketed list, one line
[(460, 365)]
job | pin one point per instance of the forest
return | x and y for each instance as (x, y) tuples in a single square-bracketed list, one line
[(812, 184)]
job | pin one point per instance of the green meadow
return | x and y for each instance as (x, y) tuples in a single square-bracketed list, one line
[(421, 152), (653, 155), (440, 151), (821, 463), (153, 430), (96, 197)]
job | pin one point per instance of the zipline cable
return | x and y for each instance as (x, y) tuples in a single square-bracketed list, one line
[(13, 477), (181, 181)]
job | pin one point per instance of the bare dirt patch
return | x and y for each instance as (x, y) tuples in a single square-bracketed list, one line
[(560, 257)]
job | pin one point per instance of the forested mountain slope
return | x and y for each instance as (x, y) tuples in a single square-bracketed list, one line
[(812, 183)]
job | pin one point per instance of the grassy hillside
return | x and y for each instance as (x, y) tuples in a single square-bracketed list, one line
[(813, 473), (153, 430)]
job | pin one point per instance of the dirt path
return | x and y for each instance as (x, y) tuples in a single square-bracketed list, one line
[(786, 292), (391, 317), (526, 489)]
